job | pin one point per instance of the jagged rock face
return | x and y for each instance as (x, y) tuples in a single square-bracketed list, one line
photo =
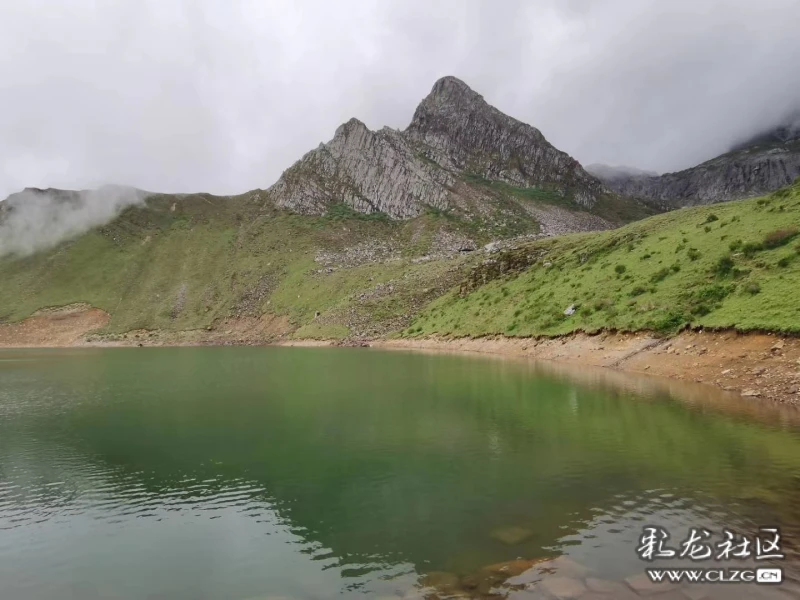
[(465, 133), (369, 171), (769, 163), (453, 132)]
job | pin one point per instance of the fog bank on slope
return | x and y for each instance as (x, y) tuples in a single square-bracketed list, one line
[(36, 219)]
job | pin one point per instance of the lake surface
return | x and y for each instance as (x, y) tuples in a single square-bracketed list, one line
[(248, 473)]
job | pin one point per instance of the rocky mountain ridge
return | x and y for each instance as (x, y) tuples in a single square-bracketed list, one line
[(759, 165), (455, 145), (497, 176), (787, 131)]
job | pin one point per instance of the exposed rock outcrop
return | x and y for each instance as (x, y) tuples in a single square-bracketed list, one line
[(369, 171), (464, 133), (454, 134)]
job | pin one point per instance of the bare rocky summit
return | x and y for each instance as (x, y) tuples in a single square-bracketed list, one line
[(464, 133), (459, 153)]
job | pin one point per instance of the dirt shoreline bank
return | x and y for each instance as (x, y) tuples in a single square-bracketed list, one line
[(758, 365), (753, 365)]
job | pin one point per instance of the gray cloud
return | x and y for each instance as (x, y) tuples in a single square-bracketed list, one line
[(35, 219), (190, 95)]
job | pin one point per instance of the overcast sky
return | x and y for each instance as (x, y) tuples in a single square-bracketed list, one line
[(222, 95)]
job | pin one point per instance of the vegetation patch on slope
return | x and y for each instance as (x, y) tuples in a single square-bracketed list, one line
[(733, 265), (612, 207), (547, 194), (191, 261)]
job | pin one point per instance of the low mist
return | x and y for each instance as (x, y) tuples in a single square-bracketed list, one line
[(34, 219)]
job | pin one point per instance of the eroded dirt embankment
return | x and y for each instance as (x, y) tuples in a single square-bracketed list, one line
[(55, 327), (77, 325), (757, 365), (754, 365)]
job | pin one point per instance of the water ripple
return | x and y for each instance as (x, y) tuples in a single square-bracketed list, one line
[(200, 473)]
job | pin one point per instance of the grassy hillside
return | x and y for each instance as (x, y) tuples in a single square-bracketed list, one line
[(728, 265), (189, 262), (185, 262)]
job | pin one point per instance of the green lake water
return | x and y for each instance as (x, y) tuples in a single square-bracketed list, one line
[(249, 473)]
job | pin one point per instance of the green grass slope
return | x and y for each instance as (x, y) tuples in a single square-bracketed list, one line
[(728, 265), (185, 262)]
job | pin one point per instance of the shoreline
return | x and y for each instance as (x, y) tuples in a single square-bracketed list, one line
[(756, 366), (753, 365)]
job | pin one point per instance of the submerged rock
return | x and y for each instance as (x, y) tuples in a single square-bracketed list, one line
[(513, 568), (641, 584), (512, 535), (442, 581), (564, 587), (602, 586), (565, 566), (499, 576)]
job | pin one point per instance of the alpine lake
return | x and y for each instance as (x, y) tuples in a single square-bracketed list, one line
[(315, 473)]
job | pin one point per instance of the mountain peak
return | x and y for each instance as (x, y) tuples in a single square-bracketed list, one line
[(448, 95), (452, 88), (454, 147), (352, 125)]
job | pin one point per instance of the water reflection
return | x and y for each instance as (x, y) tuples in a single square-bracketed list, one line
[(234, 473)]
